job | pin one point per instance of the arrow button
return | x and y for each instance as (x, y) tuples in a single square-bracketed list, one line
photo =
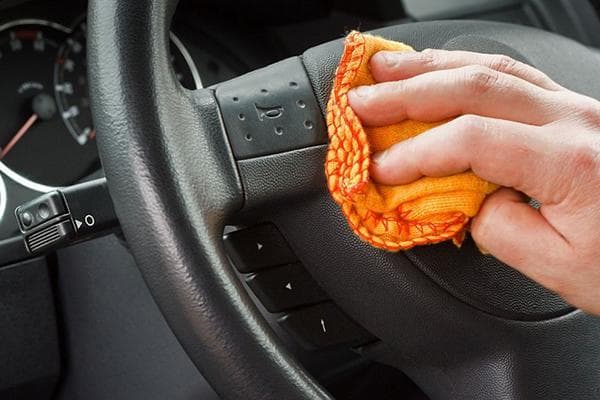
[(324, 325), (285, 287), (258, 247)]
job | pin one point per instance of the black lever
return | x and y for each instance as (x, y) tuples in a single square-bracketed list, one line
[(66, 216)]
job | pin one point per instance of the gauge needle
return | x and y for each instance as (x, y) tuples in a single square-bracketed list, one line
[(19, 135), (44, 109)]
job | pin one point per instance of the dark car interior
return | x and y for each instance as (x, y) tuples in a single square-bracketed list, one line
[(154, 244)]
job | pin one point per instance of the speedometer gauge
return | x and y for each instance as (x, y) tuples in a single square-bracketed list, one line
[(36, 149), (47, 133), (71, 87)]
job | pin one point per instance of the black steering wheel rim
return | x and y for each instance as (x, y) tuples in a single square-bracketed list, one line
[(215, 322), (176, 183)]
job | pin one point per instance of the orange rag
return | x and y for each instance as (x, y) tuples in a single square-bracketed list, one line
[(429, 210)]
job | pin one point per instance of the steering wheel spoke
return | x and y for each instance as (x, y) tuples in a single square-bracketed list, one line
[(276, 129)]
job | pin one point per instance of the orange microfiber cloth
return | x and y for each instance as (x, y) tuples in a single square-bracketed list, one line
[(429, 210)]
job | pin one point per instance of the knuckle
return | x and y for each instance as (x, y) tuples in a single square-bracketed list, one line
[(481, 79), (399, 90), (503, 63), (470, 127), (589, 112), (584, 158), (398, 86), (427, 58)]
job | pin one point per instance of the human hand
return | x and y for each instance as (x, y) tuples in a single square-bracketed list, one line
[(516, 128)]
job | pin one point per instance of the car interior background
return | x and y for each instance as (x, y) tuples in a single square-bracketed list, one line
[(80, 322)]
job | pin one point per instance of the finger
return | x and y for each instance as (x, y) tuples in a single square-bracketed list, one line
[(438, 95), (517, 234), (393, 65), (508, 153)]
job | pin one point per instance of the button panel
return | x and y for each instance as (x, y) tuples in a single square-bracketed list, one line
[(324, 325), (281, 284), (66, 216), (285, 287), (271, 110), (43, 209), (258, 247)]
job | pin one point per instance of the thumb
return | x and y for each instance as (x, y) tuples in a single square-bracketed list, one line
[(517, 234)]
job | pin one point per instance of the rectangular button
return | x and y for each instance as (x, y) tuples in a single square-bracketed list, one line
[(258, 247), (50, 237), (271, 110), (285, 287), (324, 325), (40, 210)]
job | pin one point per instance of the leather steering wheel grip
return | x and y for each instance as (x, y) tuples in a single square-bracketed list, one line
[(173, 182)]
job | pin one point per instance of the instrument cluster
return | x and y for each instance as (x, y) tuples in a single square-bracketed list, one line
[(47, 136)]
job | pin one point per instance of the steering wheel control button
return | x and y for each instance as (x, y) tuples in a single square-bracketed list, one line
[(40, 210), (43, 211), (324, 325), (50, 237), (271, 110), (258, 247), (285, 287), (26, 219)]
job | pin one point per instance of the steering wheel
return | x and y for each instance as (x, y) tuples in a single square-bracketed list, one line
[(182, 164)]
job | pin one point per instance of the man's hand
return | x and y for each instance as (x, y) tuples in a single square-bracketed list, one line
[(515, 127)]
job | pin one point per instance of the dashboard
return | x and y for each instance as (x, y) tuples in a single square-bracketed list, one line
[(47, 135)]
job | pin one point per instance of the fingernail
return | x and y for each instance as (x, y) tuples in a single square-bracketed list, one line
[(390, 59), (361, 91), (482, 249), (379, 158)]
